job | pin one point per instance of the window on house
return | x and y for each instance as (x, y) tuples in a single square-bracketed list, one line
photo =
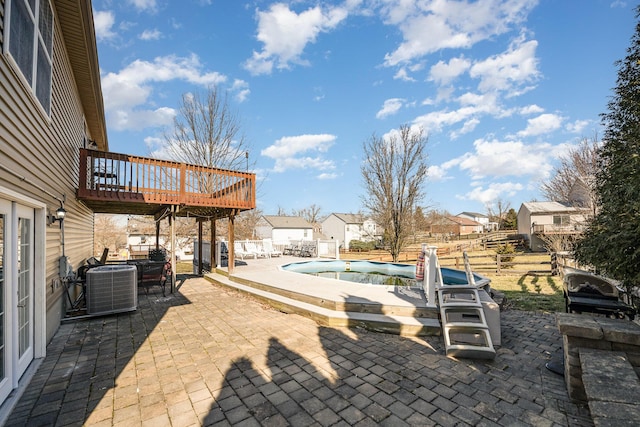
[(30, 45), (561, 220)]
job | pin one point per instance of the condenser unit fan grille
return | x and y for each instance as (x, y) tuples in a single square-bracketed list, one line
[(111, 289)]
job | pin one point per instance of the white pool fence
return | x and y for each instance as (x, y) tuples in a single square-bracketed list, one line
[(300, 248)]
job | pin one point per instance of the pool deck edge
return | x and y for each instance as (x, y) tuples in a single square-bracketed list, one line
[(330, 302)]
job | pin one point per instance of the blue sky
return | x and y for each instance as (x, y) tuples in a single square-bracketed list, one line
[(502, 88)]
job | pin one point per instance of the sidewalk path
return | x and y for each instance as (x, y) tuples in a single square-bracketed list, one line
[(208, 356)]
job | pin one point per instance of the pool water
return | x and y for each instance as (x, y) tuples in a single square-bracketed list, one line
[(367, 278), (376, 273)]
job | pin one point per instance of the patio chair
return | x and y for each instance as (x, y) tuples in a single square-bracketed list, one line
[(241, 252), (308, 249), (267, 245), (152, 273), (292, 248), (255, 249)]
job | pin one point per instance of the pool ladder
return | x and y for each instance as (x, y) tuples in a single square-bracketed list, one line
[(464, 325)]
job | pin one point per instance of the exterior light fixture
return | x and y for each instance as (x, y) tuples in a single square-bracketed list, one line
[(59, 216)]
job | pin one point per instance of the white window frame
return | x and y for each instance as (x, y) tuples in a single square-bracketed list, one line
[(40, 46), (562, 220)]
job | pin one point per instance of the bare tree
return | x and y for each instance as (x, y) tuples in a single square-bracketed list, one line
[(497, 212), (558, 242), (394, 171), (573, 180), (245, 225), (206, 132), (310, 213), (107, 233)]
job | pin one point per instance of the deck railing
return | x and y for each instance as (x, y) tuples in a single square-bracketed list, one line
[(557, 229), (106, 176)]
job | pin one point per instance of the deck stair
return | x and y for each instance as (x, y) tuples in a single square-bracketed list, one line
[(464, 326)]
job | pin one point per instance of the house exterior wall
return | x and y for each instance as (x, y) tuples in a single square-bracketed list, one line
[(288, 234), (532, 224), (479, 219), (263, 229), (370, 230), (41, 153), (470, 229), (334, 228)]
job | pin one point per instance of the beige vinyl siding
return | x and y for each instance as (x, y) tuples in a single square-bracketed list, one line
[(1, 24), (45, 151)]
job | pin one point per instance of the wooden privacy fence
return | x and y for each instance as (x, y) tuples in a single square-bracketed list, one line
[(520, 263)]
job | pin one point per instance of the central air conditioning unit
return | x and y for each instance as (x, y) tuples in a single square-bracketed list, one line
[(111, 289)]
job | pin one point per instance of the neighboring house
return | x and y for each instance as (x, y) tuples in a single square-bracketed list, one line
[(480, 219), (455, 225), (50, 106), (582, 195), (348, 227), (283, 228), (536, 219)]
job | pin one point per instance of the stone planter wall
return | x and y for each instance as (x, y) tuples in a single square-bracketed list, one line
[(600, 333)]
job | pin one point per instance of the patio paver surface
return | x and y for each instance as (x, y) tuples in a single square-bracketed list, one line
[(209, 356)]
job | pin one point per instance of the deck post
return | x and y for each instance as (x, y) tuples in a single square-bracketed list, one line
[(172, 219), (200, 246), (213, 252), (231, 255)]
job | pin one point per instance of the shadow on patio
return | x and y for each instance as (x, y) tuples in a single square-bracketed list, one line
[(207, 356)]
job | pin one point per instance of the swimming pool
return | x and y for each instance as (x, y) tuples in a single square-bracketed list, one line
[(377, 272)]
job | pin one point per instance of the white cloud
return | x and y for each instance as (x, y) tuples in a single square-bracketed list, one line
[(577, 126), (241, 89), (510, 70), (390, 107), (542, 124), (428, 27), (126, 93), (403, 75), (507, 158), (531, 109), (467, 127), (145, 5), (445, 73), (103, 22), (440, 172), (154, 34), (285, 34), (473, 107), (288, 152), (493, 192), (327, 176), (142, 118)]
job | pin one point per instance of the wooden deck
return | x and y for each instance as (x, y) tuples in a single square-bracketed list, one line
[(125, 184)]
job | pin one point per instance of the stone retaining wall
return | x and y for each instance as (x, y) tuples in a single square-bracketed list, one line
[(600, 333)]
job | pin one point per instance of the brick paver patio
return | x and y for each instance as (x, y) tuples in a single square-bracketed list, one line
[(208, 356)]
